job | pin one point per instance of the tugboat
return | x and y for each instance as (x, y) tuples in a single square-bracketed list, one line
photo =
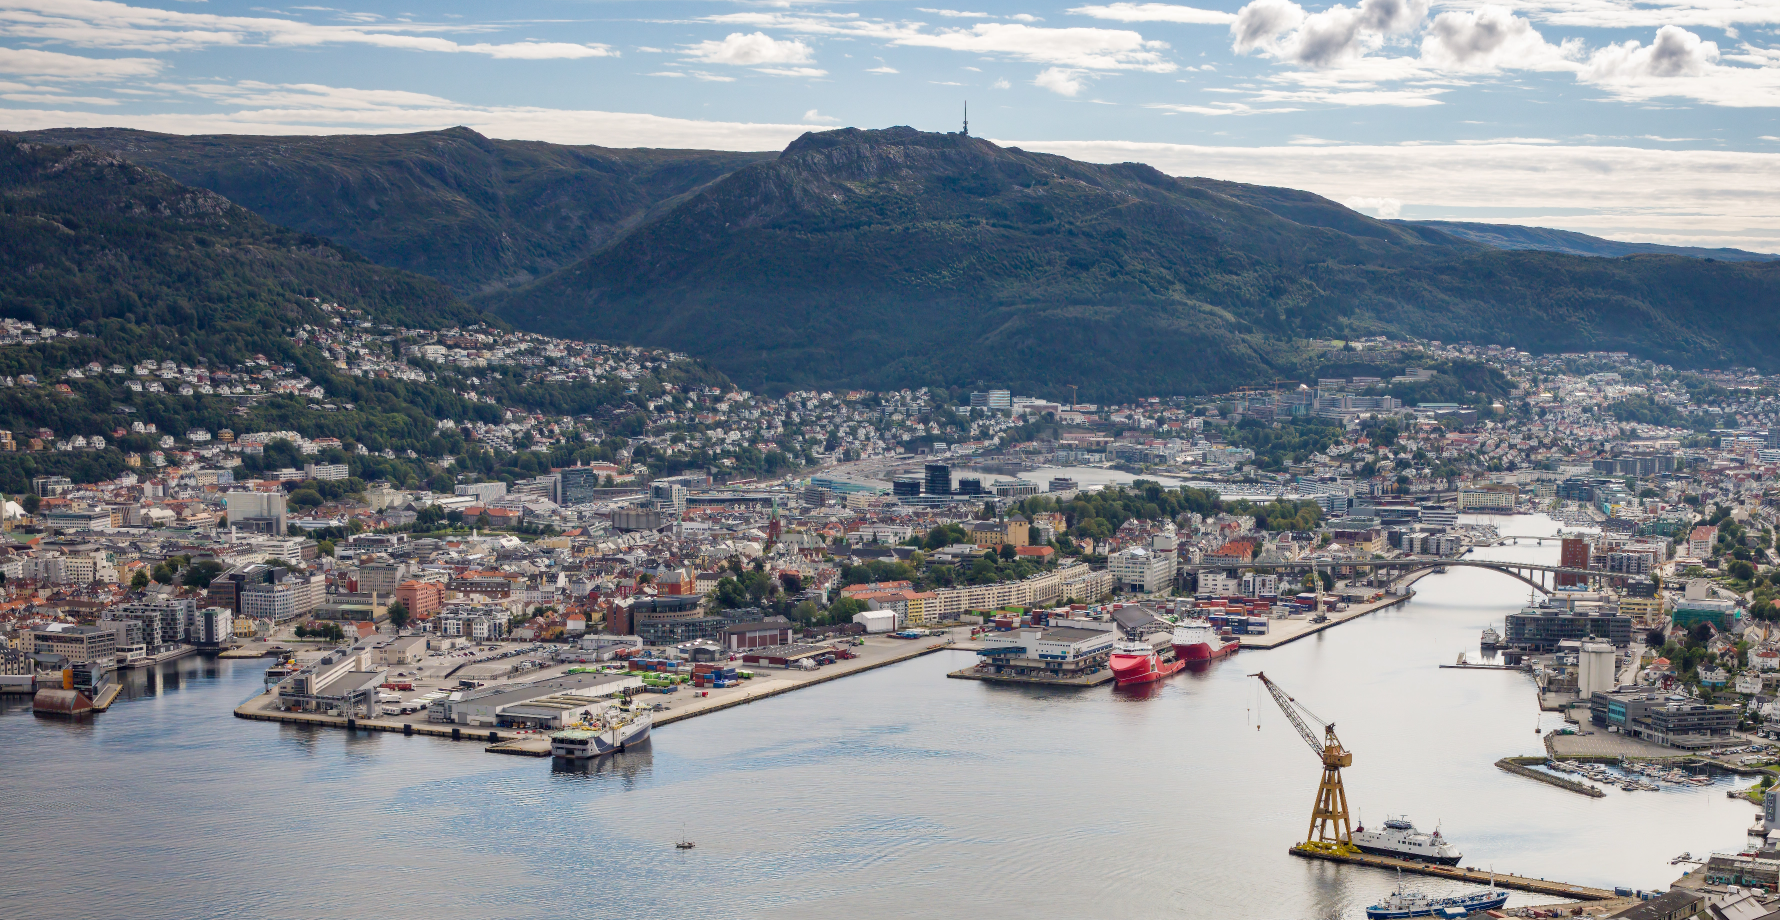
[(1136, 661), (1402, 903), (1399, 838)]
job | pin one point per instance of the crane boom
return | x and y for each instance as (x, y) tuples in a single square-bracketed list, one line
[(1329, 824), (1289, 706)]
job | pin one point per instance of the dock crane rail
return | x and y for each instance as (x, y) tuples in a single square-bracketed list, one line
[(1330, 827)]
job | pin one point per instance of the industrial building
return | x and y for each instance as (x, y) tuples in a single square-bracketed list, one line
[(1540, 629), (1663, 718), (1056, 652), (541, 704)]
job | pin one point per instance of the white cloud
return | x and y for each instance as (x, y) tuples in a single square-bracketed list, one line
[(1074, 48), (107, 24), (885, 68), (55, 64), (1678, 63), (956, 14), (1490, 38), (1640, 14), (1001, 83), (1087, 49), (1382, 208), (1330, 38), (750, 50), (1059, 80), (57, 99), (793, 71), (1676, 52), (817, 117), (1156, 12)]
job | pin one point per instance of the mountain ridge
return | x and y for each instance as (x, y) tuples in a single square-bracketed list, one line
[(476, 213), (892, 257), (1547, 239)]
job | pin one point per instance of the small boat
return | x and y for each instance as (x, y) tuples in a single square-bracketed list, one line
[(684, 845), (1402, 903)]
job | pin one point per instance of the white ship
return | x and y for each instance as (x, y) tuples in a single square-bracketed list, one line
[(1491, 638), (1399, 838), (615, 730)]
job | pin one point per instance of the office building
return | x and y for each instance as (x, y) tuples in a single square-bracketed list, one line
[(1540, 629), (164, 620), (78, 644), (939, 479), (257, 512), (1575, 555), (1664, 719)]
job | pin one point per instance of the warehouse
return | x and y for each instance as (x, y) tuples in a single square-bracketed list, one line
[(488, 707)]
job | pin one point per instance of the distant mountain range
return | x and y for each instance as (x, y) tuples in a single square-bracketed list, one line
[(1544, 239), (892, 258)]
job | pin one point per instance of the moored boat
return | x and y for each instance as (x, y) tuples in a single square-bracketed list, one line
[(1136, 661), (1402, 903), (1399, 838), (615, 730), (1197, 640)]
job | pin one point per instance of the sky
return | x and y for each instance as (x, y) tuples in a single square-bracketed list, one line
[(1644, 120)]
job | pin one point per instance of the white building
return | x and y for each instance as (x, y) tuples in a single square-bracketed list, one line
[(1140, 570)]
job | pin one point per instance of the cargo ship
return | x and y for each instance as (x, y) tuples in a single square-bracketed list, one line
[(1197, 640), (1399, 838), (615, 730), (1136, 661), (1402, 903)]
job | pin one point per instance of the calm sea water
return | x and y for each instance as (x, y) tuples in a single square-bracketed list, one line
[(896, 793)]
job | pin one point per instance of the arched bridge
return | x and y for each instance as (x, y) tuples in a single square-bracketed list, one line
[(1542, 578)]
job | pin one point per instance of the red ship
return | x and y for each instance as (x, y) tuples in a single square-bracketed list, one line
[(1196, 640), (1137, 662)]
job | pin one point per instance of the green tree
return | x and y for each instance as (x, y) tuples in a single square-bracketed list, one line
[(163, 574), (139, 581), (398, 614), (843, 610), (201, 574), (305, 498), (31, 503)]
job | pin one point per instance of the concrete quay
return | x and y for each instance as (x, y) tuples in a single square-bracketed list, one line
[(1477, 876), (1104, 675), (877, 653)]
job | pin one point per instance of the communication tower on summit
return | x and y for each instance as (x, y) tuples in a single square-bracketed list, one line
[(966, 131)]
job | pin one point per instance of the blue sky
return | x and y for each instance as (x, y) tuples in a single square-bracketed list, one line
[(1635, 119)]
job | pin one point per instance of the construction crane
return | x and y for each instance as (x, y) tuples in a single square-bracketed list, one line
[(1329, 825)]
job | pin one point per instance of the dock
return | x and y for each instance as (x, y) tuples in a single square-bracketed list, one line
[(1520, 766), (506, 741), (1086, 680), (1463, 874)]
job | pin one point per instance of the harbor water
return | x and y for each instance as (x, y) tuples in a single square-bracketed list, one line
[(893, 793)]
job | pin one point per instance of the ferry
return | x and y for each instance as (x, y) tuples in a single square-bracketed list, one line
[(1491, 638), (1136, 661), (1197, 640), (615, 730), (1402, 903), (1399, 838)]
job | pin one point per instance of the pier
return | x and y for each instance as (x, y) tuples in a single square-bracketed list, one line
[(1459, 873), (503, 741), (1519, 767)]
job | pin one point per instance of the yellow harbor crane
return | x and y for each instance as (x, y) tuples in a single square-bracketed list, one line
[(1329, 825)]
